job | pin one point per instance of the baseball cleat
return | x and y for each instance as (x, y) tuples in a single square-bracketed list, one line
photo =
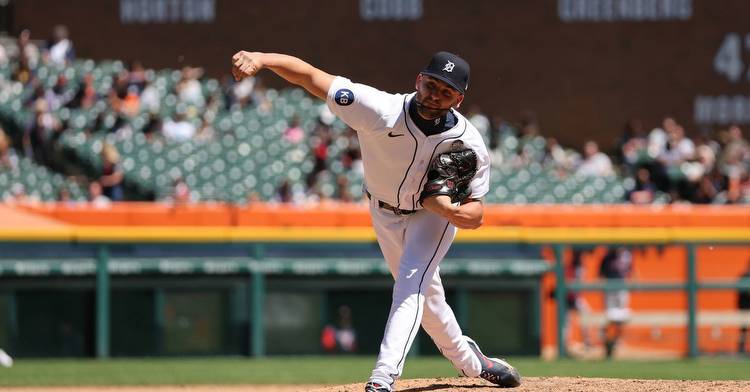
[(374, 386), (495, 370)]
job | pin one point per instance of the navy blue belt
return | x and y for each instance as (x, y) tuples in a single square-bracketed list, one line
[(389, 207)]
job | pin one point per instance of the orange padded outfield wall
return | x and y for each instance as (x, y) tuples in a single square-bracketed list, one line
[(335, 214), (658, 325)]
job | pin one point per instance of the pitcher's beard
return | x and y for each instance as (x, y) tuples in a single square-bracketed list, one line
[(429, 113)]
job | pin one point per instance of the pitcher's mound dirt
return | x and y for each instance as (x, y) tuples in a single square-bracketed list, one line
[(555, 384), (535, 384)]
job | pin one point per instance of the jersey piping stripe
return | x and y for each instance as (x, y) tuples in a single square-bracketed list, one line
[(419, 292), (413, 201), (413, 156)]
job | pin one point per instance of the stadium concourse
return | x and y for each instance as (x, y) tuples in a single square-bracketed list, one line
[(78, 130)]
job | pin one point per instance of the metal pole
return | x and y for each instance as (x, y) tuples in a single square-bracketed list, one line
[(257, 334), (102, 303), (14, 342), (159, 303), (462, 307), (692, 296), (536, 311), (561, 293), (415, 347)]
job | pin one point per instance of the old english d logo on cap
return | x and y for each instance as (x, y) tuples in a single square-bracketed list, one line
[(449, 68)]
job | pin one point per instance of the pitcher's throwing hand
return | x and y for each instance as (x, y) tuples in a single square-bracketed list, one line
[(245, 64)]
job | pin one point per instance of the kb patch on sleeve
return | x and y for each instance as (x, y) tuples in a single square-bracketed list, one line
[(344, 97)]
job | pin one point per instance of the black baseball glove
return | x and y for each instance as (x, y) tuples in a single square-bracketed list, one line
[(450, 174)]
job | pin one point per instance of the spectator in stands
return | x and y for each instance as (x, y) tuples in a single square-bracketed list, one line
[(86, 96), (342, 189), (529, 125), (63, 195), (227, 85), (122, 128), (595, 162), (181, 193), (557, 157), (252, 198), (351, 158), (284, 192), (736, 148), (4, 58), (678, 148), (213, 107), (206, 132), (189, 89), (28, 52), (39, 133), (8, 158), (526, 152), (734, 163), (743, 305), (59, 95), (576, 303), (633, 145), (704, 159), (289, 193), (111, 179), (616, 266), (136, 76), (37, 93), (131, 103), (644, 191), (150, 98), (496, 124), (320, 143), (743, 189), (60, 50), (153, 127), (18, 195), (340, 338), (480, 121), (239, 93), (179, 129), (657, 138), (22, 73), (118, 91), (709, 188), (326, 117), (294, 132), (259, 97), (96, 197)]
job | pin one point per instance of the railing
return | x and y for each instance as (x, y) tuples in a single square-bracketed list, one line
[(557, 237), (690, 239)]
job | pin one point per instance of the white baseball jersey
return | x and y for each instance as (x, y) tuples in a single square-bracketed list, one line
[(396, 155)]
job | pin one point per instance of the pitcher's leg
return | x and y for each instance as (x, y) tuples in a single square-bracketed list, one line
[(426, 241), (439, 321), (390, 231)]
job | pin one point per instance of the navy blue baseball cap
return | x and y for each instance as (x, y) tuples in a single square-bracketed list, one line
[(450, 68)]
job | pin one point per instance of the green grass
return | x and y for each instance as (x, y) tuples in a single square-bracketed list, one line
[(332, 370)]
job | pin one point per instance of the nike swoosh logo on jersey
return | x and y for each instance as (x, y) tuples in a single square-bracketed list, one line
[(391, 134), (411, 273)]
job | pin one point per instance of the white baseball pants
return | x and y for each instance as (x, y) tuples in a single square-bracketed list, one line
[(413, 246)]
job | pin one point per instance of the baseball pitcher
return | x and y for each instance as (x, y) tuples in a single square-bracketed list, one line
[(426, 169)]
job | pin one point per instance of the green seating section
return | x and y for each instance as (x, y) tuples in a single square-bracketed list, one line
[(248, 153), (37, 182), (33, 179)]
